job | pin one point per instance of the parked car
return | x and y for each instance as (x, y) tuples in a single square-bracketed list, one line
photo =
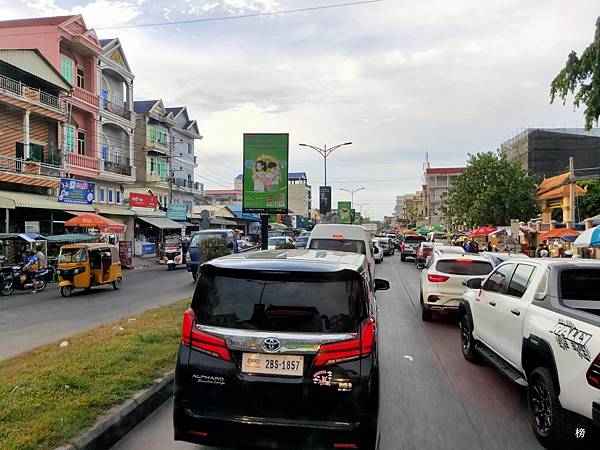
[(538, 322), (497, 258), (385, 245), (409, 246), (192, 257), (395, 240), (269, 341), (276, 241), (445, 249), (442, 281), (302, 241), (424, 251), (377, 252)]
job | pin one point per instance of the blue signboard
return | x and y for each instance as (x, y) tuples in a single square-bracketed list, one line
[(177, 211), (76, 191)]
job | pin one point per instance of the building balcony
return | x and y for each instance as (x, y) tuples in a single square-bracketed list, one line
[(21, 166), (115, 108), (155, 177), (157, 145), (82, 165), (20, 91), (86, 96), (193, 185), (116, 165)]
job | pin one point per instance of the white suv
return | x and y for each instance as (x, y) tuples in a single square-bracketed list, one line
[(443, 277)]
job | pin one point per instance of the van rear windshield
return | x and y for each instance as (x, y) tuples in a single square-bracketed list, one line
[(414, 239), (198, 237), (279, 303), (580, 284), (339, 245), (463, 267)]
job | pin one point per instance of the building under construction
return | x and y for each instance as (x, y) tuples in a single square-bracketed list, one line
[(546, 152)]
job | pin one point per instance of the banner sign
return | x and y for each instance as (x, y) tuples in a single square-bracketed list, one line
[(143, 201), (265, 173), (324, 199), (32, 226), (344, 211), (76, 191), (177, 211), (126, 252)]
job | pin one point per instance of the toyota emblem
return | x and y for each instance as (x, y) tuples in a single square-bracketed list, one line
[(271, 344)]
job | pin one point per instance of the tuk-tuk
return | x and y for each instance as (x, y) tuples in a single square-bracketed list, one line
[(82, 266)]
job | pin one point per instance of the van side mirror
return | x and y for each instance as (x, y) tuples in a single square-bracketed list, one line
[(381, 285), (473, 283)]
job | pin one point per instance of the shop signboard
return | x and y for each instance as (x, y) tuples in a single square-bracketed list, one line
[(265, 173), (344, 210), (32, 226), (145, 201), (76, 191), (126, 253), (177, 211), (324, 199)]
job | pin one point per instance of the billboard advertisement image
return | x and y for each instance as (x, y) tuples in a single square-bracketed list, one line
[(344, 210), (324, 199), (76, 191), (266, 173)]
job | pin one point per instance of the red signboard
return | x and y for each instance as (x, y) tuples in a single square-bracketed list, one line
[(143, 201)]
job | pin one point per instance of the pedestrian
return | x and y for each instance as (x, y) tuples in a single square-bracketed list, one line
[(468, 247), (489, 247), (42, 262)]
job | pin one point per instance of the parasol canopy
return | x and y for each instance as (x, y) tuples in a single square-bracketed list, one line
[(422, 231), (482, 231), (589, 238), (90, 220), (558, 233), (438, 228)]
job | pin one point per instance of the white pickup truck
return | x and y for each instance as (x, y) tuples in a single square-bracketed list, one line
[(538, 322)]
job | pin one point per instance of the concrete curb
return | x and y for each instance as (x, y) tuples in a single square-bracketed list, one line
[(123, 418)]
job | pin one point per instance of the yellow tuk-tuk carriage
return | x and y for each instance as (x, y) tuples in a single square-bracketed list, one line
[(82, 266)]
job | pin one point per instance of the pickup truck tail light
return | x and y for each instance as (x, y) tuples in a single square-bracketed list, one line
[(199, 340), (403, 246), (432, 278), (342, 351), (593, 373)]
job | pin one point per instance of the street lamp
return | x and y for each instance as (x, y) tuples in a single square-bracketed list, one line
[(352, 191), (325, 152)]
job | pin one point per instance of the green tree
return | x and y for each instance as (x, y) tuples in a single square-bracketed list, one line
[(492, 191), (589, 204), (581, 76)]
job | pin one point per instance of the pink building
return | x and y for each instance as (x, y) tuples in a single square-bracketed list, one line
[(73, 50)]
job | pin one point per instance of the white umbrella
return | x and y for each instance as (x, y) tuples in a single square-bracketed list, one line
[(589, 238)]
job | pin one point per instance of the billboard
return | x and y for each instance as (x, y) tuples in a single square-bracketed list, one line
[(344, 210), (265, 173), (143, 201), (76, 191), (177, 211), (324, 199)]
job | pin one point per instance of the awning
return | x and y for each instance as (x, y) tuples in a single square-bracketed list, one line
[(71, 237), (219, 221), (14, 236), (115, 210), (161, 223), (28, 200), (186, 223)]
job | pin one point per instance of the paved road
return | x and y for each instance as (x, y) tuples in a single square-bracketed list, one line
[(432, 398), (28, 320)]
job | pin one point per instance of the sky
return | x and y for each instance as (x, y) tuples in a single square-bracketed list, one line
[(399, 79)]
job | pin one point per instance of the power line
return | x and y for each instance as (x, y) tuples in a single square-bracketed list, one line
[(240, 16)]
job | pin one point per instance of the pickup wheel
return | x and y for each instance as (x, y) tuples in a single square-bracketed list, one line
[(550, 422), (467, 341)]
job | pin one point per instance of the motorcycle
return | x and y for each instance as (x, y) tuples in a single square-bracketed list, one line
[(174, 255), (15, 278)]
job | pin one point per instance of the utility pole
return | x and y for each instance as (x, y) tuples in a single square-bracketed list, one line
[(171, 171), (571, 219)]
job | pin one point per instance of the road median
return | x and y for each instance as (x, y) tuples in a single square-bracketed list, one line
[(53, 393)]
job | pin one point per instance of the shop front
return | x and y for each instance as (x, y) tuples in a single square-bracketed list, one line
[(151, 231)]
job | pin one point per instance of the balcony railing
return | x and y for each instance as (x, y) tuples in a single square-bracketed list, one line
[(156, 144), (182, 182), (115, 108), (19, 165), (83, 162), (155, 176), (116, 164), (18, 89), (86, 96)]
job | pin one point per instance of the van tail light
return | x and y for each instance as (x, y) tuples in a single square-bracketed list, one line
[(593, 373), (343, 351), (432, 278), (199, 340)]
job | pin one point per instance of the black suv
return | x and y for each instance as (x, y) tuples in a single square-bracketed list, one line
[(279, 349)]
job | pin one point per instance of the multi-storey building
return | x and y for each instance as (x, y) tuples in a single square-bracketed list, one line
[(438, 181)]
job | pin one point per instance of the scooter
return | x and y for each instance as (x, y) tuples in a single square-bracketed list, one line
[(15, 278)]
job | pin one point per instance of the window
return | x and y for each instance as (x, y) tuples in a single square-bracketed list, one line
[(463, 266), (102, 195), (104, 152), (151, 133), (339, 245), (69, 138), (162, 168), (580, 284), (66, 68), (163, 135), (190, 147), (499, 279), (80, 78), (96, 198), (81, 143), (110, 196), (520, 280), (152, 165), (118, 197)]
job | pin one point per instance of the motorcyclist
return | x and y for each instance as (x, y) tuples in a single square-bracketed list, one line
[(31, 268)]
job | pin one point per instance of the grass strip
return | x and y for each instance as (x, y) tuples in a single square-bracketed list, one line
[(51, 394)]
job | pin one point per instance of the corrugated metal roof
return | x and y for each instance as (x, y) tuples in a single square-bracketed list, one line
[(32, 61), (143, 106), (115, 210), (28, 200)]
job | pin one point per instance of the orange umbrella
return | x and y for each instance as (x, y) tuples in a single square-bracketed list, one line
[(89, 220), (558, 232)]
